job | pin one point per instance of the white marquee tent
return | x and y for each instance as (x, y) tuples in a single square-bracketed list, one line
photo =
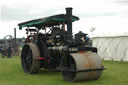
[(112, 47)]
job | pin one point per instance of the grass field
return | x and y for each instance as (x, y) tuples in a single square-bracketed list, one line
[(11, 73)]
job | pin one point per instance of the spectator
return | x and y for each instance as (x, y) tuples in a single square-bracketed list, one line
[(3, 50), (9, 52)]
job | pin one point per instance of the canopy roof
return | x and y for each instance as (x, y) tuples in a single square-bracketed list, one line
[(47, 21)]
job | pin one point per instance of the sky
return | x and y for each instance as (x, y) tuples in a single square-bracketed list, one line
[(108, 17)]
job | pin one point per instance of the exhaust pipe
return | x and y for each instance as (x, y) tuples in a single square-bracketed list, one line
[(69, 19)]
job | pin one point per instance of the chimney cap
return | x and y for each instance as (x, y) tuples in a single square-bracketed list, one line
[(68, 8)]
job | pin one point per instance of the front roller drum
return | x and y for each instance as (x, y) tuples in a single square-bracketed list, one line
[(29, 54), (84, 66)]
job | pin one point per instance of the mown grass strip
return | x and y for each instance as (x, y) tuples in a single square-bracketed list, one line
[(11, 73)]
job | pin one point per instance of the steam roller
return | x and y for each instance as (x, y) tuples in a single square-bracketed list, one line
[(51, 45), (85, 66)]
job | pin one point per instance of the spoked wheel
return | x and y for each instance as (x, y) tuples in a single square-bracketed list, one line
[(28, 58), (83, 66)]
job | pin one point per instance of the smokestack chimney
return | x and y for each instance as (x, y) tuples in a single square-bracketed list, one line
[(69, 19)]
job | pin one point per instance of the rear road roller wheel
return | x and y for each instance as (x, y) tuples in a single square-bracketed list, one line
[(85, 67), (29, 54)]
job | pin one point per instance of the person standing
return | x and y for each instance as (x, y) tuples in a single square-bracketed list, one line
[(3, 50), (9, 49), (9, 52)]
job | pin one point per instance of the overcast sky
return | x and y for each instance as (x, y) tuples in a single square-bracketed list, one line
[(107, 16)]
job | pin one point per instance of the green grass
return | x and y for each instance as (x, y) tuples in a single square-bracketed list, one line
[(11, 73)]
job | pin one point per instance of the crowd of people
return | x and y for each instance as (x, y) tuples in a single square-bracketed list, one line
[(9, 48)]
